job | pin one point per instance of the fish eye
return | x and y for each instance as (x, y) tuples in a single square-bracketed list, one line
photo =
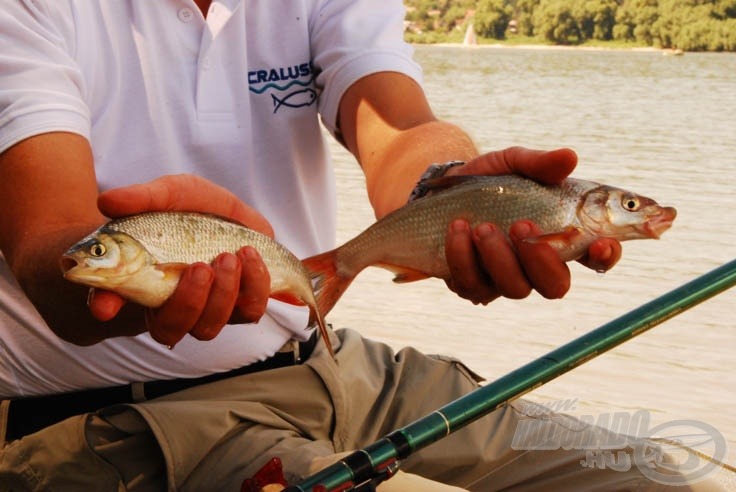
[(630, 203), (97, 250)]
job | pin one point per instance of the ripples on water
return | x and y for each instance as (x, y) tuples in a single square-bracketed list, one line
[(661, 126)]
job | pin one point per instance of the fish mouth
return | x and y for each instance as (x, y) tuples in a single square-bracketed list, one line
[(67, 263), (76, 271), (656, 225)]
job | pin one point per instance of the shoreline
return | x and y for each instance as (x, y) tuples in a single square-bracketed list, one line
[(545, 47)]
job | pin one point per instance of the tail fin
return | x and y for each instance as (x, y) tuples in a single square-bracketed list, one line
[(328, 285), (316, 317)]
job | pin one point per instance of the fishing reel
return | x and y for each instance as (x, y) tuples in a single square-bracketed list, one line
[(270, 478)]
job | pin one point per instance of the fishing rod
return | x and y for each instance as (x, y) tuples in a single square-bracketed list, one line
[(365, 468)]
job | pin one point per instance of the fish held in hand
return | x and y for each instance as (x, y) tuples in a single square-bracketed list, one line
[(142, 257), (411, 240)]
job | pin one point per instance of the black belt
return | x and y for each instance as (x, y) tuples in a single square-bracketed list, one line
[(29, 415)]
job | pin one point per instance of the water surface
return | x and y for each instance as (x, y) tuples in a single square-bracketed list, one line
[(659, 125)]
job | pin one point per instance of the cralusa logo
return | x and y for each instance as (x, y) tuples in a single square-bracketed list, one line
[(290, 86)]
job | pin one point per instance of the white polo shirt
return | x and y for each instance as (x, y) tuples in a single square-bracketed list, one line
[(157, 89)]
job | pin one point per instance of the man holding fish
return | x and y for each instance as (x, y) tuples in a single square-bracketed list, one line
[(133, 108)]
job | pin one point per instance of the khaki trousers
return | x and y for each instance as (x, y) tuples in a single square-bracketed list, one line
[(212, 437)]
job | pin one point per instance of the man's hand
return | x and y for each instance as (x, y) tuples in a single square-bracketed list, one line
[(388, 125), (485, 265), (235, 287)]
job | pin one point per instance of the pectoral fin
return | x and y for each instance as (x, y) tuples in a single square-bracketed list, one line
[(569, 243), (152, 285), (565, 236), (171, 271)]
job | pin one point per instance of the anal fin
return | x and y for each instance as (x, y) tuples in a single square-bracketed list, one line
[(403, 274)]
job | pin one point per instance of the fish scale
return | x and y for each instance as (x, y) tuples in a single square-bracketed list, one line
[(411, 240), (142, 257), (197, 239), (503, 201)]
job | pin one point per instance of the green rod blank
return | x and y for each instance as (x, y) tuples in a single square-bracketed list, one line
[(363, 464)]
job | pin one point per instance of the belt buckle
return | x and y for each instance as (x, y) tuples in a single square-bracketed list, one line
[(292, 346)]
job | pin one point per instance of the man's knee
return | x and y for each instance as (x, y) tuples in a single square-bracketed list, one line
[(56, 457)]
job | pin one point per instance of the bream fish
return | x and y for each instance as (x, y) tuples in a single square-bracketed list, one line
[(141, 258), (411, 240)]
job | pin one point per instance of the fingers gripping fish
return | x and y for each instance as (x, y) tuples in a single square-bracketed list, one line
[(142, 257), (411, 240)]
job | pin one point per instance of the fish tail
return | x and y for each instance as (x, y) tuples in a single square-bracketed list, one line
[(316, 317), (328, 284), (276, 103)]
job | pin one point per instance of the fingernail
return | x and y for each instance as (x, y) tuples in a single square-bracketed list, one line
[(228, 261), (248, 253), (521, 230), (459, 226), (601, 260), (201, 274), (252, 254), (485, 230), (606, 253)]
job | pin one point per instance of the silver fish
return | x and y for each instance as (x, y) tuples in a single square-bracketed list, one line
[(141, 258), (411, 240)]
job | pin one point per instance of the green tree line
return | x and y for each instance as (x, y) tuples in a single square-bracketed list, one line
[(691, 25)]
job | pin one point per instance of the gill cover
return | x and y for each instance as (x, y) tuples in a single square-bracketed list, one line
[(102, 258)]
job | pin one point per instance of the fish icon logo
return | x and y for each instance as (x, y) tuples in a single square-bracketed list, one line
[(296, 99)]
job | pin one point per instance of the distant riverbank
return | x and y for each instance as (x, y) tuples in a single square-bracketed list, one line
[(690, 26), (526, 42), (541, 46)]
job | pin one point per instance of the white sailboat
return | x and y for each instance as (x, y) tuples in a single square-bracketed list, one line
[(470, 38)]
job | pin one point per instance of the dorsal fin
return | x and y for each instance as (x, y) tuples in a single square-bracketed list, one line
[(435, 185)]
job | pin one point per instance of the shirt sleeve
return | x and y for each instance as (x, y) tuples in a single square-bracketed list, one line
[(41, 86), (352, 39)]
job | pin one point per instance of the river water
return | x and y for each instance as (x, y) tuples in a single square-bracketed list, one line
[(663, 126)]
